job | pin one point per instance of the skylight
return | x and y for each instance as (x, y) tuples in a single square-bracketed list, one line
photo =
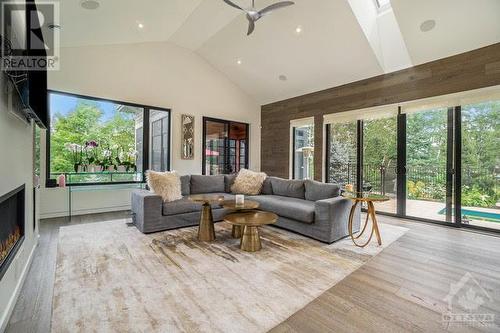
[(383, 5)]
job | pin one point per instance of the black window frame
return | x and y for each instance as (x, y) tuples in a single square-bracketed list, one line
[(227, 145), (145, 137)]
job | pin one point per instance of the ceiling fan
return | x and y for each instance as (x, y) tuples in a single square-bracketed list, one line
[(253, 15)]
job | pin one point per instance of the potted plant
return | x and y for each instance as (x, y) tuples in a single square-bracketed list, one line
[(76, 155), (91, 155)]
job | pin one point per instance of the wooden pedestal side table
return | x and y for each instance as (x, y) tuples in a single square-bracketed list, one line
[(206, 230), (369, 198), (248, 205), (251, 221)]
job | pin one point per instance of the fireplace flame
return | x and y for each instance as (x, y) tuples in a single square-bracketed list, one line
[(9, 243)]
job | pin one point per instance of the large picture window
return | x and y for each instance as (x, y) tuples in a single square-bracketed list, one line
[(96, 141)]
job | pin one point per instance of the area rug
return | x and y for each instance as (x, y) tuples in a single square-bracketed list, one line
[(112, 278)]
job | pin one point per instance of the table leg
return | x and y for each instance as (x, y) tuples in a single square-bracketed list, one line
[(237, 231), (250, 241), (206, 231), (375, 223)]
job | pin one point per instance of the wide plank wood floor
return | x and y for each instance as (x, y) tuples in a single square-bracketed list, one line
[(402, 289)]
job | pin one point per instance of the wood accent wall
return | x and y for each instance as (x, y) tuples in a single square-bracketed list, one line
[(472, 70)]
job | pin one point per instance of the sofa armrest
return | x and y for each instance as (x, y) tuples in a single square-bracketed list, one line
[(332, 215), (146, 209)]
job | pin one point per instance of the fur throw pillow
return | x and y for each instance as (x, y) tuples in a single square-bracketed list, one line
[(165, 184), (248, 182)]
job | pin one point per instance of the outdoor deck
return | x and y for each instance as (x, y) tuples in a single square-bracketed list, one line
[(430, 210)]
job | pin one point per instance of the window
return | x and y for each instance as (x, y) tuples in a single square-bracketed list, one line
[(225, 146), (97, 141), (303, 149), (160, 138)]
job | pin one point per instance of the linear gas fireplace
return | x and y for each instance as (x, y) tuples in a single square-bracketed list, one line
[(12, 221)]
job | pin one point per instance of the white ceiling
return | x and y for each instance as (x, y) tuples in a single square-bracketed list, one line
[(332, 49)]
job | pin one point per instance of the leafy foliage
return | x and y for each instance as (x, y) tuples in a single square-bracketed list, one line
[(85, 123)]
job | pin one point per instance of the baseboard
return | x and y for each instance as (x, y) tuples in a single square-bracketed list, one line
[(85, 211), (13, 299)]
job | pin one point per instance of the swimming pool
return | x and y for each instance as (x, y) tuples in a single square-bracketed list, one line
[(476, 215)]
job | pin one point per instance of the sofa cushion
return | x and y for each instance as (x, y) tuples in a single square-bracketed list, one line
[(185, 206), (288, 188), (266, 187), (229, 181), (182, 206), (165, 184), (293, 208), (186, 185), (248, 182), (319, 191), (207, 184)]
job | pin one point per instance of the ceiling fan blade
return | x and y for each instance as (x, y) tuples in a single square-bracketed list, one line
[(251, 27), (232, 4), (275, 6)]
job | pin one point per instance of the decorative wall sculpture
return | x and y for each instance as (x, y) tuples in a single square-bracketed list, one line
[(187, 149)]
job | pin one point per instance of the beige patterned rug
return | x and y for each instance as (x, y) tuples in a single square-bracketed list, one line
[(112, 278)]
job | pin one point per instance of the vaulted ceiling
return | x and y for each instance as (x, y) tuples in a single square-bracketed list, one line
[(340, 41)]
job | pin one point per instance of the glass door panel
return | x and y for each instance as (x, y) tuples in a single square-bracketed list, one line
[(225, 146), (342, 154), (159, 155), (429, 155), (303, 152), (480, 164), (216, 138), (380, 159)]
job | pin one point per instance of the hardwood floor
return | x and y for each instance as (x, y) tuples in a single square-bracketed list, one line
[(401, 289)]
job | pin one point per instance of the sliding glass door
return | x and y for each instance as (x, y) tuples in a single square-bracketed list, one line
[(225, 146), (342, 154), (429, 164), (380, 160), (481, 165)]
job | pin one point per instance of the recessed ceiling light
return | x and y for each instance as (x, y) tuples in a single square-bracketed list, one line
[(427, 25), (282, 77), (90, 4), (239, 62), (298, 30), (140, 25)]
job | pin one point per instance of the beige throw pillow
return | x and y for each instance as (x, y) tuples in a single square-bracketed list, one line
[(248, 182), (165, 184)]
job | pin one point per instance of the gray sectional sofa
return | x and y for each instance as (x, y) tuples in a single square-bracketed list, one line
[(307, 207)]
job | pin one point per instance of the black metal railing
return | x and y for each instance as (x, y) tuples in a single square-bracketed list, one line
[(104, 177), (424, 181)]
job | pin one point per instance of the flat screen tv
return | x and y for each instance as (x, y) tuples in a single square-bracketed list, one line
[(29, 85)]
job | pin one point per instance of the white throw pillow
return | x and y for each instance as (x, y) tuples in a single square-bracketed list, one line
[(165, 184), (248, 182)]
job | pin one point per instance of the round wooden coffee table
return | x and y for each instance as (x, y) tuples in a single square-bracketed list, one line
[(206, 230), (369, 198), (251, 221), (237, 231)]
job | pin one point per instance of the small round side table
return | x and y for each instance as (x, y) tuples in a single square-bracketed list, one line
[(237, 230), (206, 230), (369, 198)]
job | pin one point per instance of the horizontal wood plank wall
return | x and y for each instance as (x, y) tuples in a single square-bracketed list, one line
[(472, 70)]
